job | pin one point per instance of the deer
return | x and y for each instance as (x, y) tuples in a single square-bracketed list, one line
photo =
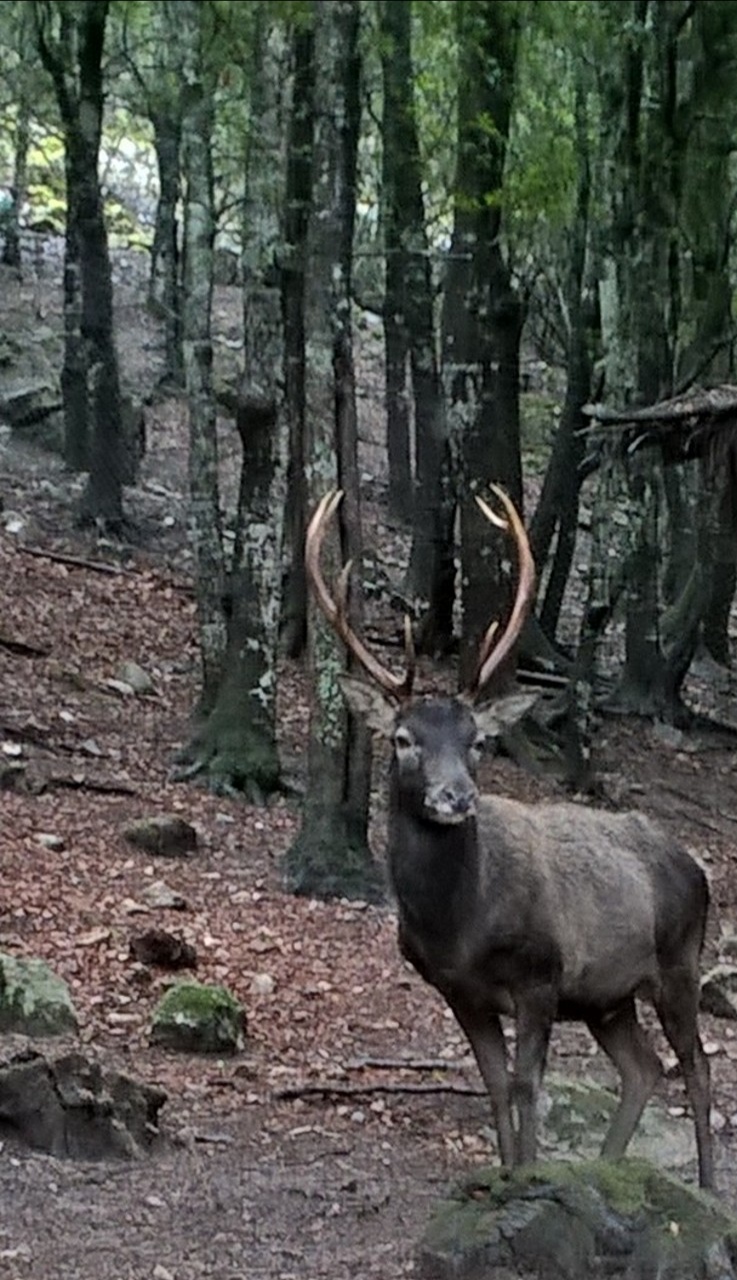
[(540, 913)]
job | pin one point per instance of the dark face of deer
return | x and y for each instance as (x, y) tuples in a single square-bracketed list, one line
[(436, 749)]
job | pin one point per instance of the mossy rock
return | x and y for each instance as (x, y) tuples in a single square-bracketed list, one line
[(33, 1000), (195, 1018), (582, 1221)]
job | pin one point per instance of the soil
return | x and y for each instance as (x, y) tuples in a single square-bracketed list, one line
[(254, 1175)]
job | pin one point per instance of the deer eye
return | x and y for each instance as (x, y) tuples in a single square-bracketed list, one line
[(477, 746), (403, 742)]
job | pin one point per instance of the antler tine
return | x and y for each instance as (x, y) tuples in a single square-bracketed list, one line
[(490, 658), (336, 610)]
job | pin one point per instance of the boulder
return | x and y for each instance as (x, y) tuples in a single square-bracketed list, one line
[(71, 1107), (33, 1000), (196, 1018), (583, 1221)]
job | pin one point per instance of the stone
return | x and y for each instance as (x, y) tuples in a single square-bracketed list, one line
[(719, 991), (163, 949), (196, 1018), (135, 677), (582, 1221), (166, 835), (72, 1108), (33, 1000)]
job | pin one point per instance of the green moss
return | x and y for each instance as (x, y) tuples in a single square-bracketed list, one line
[(33, 1000), (194, 1017)]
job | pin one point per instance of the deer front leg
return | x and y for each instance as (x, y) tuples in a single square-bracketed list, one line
[(485, 1035), (535, 1017)]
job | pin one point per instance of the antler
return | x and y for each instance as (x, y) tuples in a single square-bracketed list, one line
[(492, 655), (336, 610)]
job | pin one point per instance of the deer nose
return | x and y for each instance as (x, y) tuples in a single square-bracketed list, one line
[(450, 803)]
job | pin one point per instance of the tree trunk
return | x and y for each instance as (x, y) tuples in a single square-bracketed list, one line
[(482, 352), (199, 233), (164, 278), (330, 856), (79, 90), (11, 223), (298, 198), (558, 504), (236, 743), (399, 152)]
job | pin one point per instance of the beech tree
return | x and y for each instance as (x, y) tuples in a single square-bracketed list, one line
[(331, 855), (70, 41)]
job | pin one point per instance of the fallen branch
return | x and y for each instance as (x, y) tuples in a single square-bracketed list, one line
[(336, 1089), (23, 648), (405, 1064), (76, 562), (107, 787)]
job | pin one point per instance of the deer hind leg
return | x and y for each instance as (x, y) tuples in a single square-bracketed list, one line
[(625, 1043), (485, 1035), (677, 1007)]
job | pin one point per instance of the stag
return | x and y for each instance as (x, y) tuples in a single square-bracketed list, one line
[(543, 913)]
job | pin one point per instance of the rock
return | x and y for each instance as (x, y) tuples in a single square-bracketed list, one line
[(167, 950), (49, 841), (582, 1221), (71, 1107), (33, 1000), (135, 677), (158, 894), (196, 1018), (23, 404), (719, 991), (166, 835)]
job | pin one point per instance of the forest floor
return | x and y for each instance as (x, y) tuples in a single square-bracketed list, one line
[(247, 1180)]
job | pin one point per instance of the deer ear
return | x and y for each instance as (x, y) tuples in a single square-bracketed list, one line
[(501, 715), (370, 704)]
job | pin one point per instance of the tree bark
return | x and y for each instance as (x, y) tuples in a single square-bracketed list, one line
[(199, 234), (330, 856), (74, 62), (484, 314), (298, 199)]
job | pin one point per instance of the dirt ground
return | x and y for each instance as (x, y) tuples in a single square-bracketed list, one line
[(248, 1179)]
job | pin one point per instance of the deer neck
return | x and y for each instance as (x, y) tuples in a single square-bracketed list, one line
[(434, 870)]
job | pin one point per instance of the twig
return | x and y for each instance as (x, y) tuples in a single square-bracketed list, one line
[(405, 1064), (335, 1088), (76, 562)]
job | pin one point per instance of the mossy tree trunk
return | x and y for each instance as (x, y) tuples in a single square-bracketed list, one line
[(666, 310), (235, 744), (330, 856), (483, 322), (70, 42)]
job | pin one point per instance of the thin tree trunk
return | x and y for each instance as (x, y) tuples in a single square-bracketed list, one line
[(298, 199), (199, 231), (331, 855), (164, 277), (73, 59)]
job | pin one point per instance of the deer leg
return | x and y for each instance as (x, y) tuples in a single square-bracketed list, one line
[(677, 1007), (625, 1043), (535, 1017), (485, 1035)]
